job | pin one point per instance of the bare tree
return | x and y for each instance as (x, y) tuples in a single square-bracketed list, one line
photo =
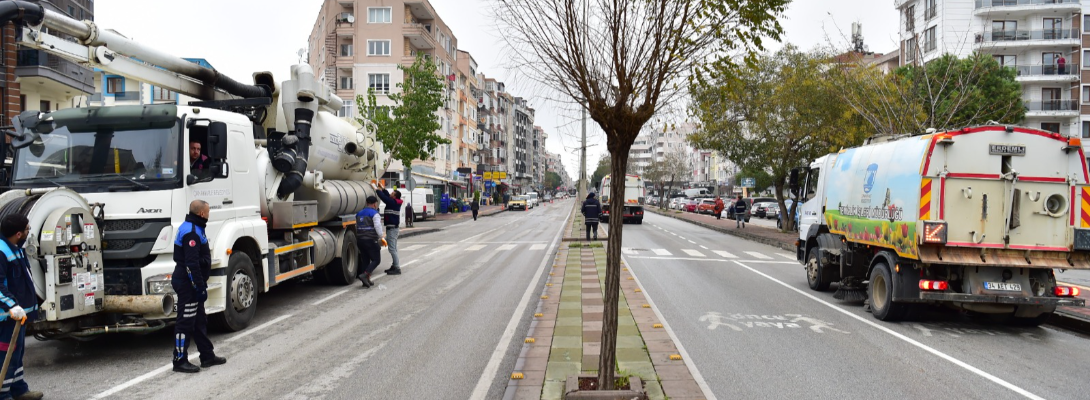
[(624, 60)]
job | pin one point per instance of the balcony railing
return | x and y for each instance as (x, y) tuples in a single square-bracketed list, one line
[(126, 96), (73, 74), (1024, 35), (1052, 105), (1046, 70), (1016, 3)]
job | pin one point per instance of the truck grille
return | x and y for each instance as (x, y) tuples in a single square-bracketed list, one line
[(123, 225)]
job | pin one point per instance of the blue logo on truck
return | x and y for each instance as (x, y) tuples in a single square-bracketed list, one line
[(868, 183)]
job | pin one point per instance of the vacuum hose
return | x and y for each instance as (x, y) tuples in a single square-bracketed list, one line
[(31, 13), (298, 151)]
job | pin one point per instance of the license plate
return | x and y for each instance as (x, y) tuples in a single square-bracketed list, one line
[(1004, 286)]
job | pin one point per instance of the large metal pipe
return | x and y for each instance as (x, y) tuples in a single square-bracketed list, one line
[(90, 34), (147, 305)]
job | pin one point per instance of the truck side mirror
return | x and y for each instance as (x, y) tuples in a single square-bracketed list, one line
[(217, 140), (793, 181)]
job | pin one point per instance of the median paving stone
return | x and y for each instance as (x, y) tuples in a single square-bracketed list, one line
[(559, 370), (568, 331), (569, 313), (559, 354)]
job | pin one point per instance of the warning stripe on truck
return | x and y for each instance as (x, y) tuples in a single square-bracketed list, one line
[(925, 200), (1085, 213)]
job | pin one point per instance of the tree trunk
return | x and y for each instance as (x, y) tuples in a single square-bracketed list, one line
[(608, 359)]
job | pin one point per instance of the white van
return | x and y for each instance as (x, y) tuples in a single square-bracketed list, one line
[(424, 204), (533, 199)]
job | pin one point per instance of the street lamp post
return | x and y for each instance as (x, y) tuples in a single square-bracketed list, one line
[(583, 156)]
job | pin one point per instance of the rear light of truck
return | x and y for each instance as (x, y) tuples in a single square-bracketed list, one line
[(934, 232), (933, 285), (1066, 291)]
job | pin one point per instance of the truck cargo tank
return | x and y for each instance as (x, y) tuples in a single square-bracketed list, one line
[(329, 136), (339, 198)]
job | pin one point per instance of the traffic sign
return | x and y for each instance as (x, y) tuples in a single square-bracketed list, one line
[(749, 182)]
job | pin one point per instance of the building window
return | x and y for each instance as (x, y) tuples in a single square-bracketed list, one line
[(346, 82), (910, 18), (1054, 28), (379, 15), (348, 110), (1085, 94), (115, 85), (1086, 129), (22, 102), (346, 50), (162, 93), (43, 106), (1004, 30), (378, 47), (929, 39), (1006, 61), (910, 49), (929, 9), (1051, 127), (1086, 23)]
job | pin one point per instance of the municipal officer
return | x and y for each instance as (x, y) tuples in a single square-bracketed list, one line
[(192, 266), (391, 218), (369, 237), (18, 300)]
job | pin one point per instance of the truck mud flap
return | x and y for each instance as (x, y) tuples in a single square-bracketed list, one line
[(985, 298), (1003, 257)]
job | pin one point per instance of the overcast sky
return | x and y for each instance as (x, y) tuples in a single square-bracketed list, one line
[(239, 37)]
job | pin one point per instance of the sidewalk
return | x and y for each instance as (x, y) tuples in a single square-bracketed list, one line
[(565, 334), (1077, 318)]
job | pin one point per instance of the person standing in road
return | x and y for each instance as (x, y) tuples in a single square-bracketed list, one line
[(592, 209), (192, 266), (739, 212), (391, 217), (369, 239), (408, 206), (476, 206), (19, 301), (718, 207)]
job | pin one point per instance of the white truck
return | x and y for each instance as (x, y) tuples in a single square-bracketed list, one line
[(105, 188), (635, 194), (423, 201), (976, 219)]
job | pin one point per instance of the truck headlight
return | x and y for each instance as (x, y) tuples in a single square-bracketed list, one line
[(934, 232), (160, 284)]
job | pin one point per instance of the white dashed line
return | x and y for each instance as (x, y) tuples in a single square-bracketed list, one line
[(505, 247), (758, 255), (535, 247), (703, 247), (724, 254), (693, 253), (661, 252)]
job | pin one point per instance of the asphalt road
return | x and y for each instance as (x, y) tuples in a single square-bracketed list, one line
[(441, 330), (752, 328)]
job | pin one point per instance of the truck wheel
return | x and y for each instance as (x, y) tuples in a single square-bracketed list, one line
[(639, 221), (241, 299), (342, 270), (815, 274), (881, 295)]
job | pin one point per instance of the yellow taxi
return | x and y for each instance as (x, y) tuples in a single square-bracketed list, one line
[(517, 202)]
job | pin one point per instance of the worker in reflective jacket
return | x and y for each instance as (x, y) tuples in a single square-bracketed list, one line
[(192, 266), (369, 237), (19, 302)]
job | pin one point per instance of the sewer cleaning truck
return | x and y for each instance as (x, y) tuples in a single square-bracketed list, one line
[(635, 194), (976, 219), (106, 188)]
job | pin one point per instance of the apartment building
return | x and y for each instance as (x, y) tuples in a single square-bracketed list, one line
[(1030, 36), (356, 45), (540, 160), (523, 141), (110, 90), (34, 80)]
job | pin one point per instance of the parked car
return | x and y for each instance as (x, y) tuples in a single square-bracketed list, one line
[(690, 205), (749, 204), (772, 211), (518, 203), (548, 198), (674, 202), (759, 210), (706, 206)]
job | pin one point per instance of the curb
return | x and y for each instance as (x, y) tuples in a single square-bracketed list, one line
[(418, 231), (743, 235), (1070, 322)]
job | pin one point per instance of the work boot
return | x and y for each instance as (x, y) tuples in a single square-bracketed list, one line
[(30, 395), (367, 277), (214, 361), (185, 366), (393, 271), (363, 279)]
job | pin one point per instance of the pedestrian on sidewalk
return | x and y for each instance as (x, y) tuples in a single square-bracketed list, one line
[(410, 217), (369, 239), (739, 212), (718, 207), (476, 206), (192, 268), (592, 209), (18, 299), (391, 218)]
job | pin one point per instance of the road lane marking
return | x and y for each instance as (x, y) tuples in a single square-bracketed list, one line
[(661, 252), (628, 250), (758, 255), (677, 343), (257, 328), (703, 247), (673, 233), (692, 242), (475, 247), (537, 247), (506, 247), (682, 237), (714, 260), (904, 338), (724, 254), (111, 391), (330, 297), (492, 368), (787, 256), (413, 247), (693, 253)]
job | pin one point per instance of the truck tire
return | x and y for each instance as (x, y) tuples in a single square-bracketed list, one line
[(639, 221), (880, 293), (343, 269), (815, 272), (241, 302)]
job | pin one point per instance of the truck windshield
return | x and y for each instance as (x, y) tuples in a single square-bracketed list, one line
[(139, 156)]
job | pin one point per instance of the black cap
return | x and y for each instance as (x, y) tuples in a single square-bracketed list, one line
[(372, 200)]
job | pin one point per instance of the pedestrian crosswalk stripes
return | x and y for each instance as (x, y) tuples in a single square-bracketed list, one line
[(444, 247), (724, 254), (627, 250), (475, 247), (506, 247), (661, 252), (787, 256), (538, 246), (757, 255), (693, 253), (413, 247)]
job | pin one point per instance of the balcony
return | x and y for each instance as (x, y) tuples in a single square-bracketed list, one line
[(419, 35), (1017, 8), (53, 73), (1046, 73), (1041, 37), (1041, 108)]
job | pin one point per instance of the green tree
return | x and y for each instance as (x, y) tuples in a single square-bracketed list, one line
[(407, 129), (552, 181), (775, 115), (760, 175), (600, 172)]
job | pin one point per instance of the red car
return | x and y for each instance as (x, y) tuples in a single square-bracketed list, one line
[(690, 205)]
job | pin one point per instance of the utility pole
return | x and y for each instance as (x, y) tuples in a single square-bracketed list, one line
[(583, 156)]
